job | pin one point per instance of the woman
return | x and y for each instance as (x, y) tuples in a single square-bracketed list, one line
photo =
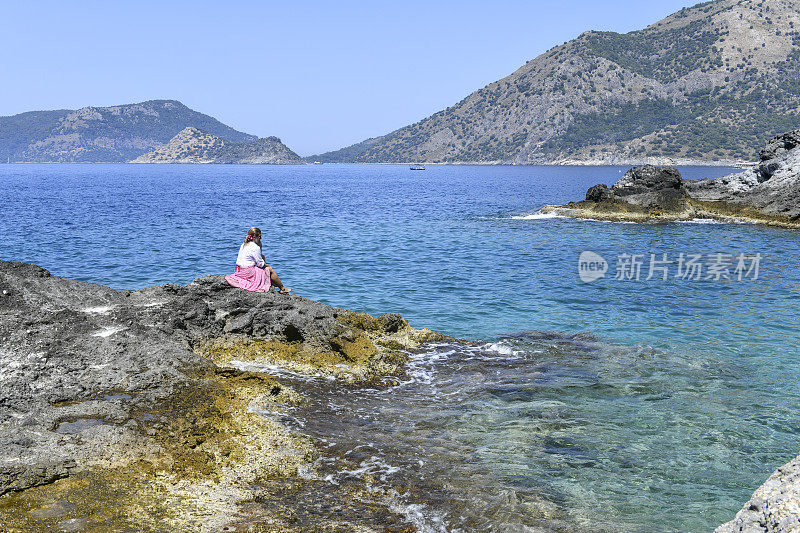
[(252, 272)]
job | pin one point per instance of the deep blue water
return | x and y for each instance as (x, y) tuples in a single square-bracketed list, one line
[(684, 401)]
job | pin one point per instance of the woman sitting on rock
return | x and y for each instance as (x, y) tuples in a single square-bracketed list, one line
[(252, 272)]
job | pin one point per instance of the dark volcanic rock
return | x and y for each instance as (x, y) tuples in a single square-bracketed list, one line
[(768, 193), (599, 193), (646, 179), (644, 187)]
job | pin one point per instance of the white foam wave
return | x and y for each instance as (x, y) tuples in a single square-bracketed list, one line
[(421, 367), (374, 468), (424, 519), (497, 347), (420, 515), (538, 216), (500, 348)]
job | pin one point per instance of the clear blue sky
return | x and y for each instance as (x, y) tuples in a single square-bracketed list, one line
[(320, 75)]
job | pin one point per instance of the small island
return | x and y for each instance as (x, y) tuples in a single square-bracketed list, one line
[(192, 145)]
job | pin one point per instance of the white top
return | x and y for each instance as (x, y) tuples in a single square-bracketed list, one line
[(250, 255)]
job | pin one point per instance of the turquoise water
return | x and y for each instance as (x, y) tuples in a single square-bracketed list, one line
[(677, 400)]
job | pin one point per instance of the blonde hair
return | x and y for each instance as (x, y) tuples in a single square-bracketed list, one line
[(252, 234)]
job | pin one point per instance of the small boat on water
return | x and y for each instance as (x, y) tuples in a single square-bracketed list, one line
[(417, 167)]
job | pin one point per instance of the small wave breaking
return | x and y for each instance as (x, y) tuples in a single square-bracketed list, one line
[(538, 216)]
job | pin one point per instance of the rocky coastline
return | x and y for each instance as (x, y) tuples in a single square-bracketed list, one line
[(124, 410), (768, 193), (128, 410)]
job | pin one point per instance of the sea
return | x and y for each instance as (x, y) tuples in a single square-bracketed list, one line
[(617, 377)]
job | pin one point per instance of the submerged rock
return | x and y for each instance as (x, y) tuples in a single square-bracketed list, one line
[(128, 396), (767, 193)]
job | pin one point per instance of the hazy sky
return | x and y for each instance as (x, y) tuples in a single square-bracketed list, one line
[(320, 75)]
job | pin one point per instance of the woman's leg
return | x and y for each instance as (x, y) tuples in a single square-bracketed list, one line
[(273, 277)]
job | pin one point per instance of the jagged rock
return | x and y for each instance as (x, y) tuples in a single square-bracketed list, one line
[(770, 190), (599, 193), (768, 193), (647, 178), (641, 190), (779, 145), (771, 154)]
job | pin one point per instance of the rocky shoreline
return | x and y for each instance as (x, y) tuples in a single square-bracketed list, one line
[(768, 193), (125, 410), (122, 410)]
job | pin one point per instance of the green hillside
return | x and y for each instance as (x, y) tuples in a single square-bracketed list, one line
[(102, 134)]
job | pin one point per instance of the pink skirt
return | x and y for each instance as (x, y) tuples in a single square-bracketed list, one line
[(250, 279)]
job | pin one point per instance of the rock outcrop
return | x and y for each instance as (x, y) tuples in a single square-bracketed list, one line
[(774, 507), (771, 189), (121, 410), (647, 186), (192, 145), (767, 193)]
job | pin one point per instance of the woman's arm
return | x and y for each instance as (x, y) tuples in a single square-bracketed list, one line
[(259, 259)]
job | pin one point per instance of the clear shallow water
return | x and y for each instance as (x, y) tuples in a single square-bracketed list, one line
[(681, 401)]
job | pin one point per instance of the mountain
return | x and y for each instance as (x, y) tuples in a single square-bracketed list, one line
[(709, 82), (102, 134), (192, 145)]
